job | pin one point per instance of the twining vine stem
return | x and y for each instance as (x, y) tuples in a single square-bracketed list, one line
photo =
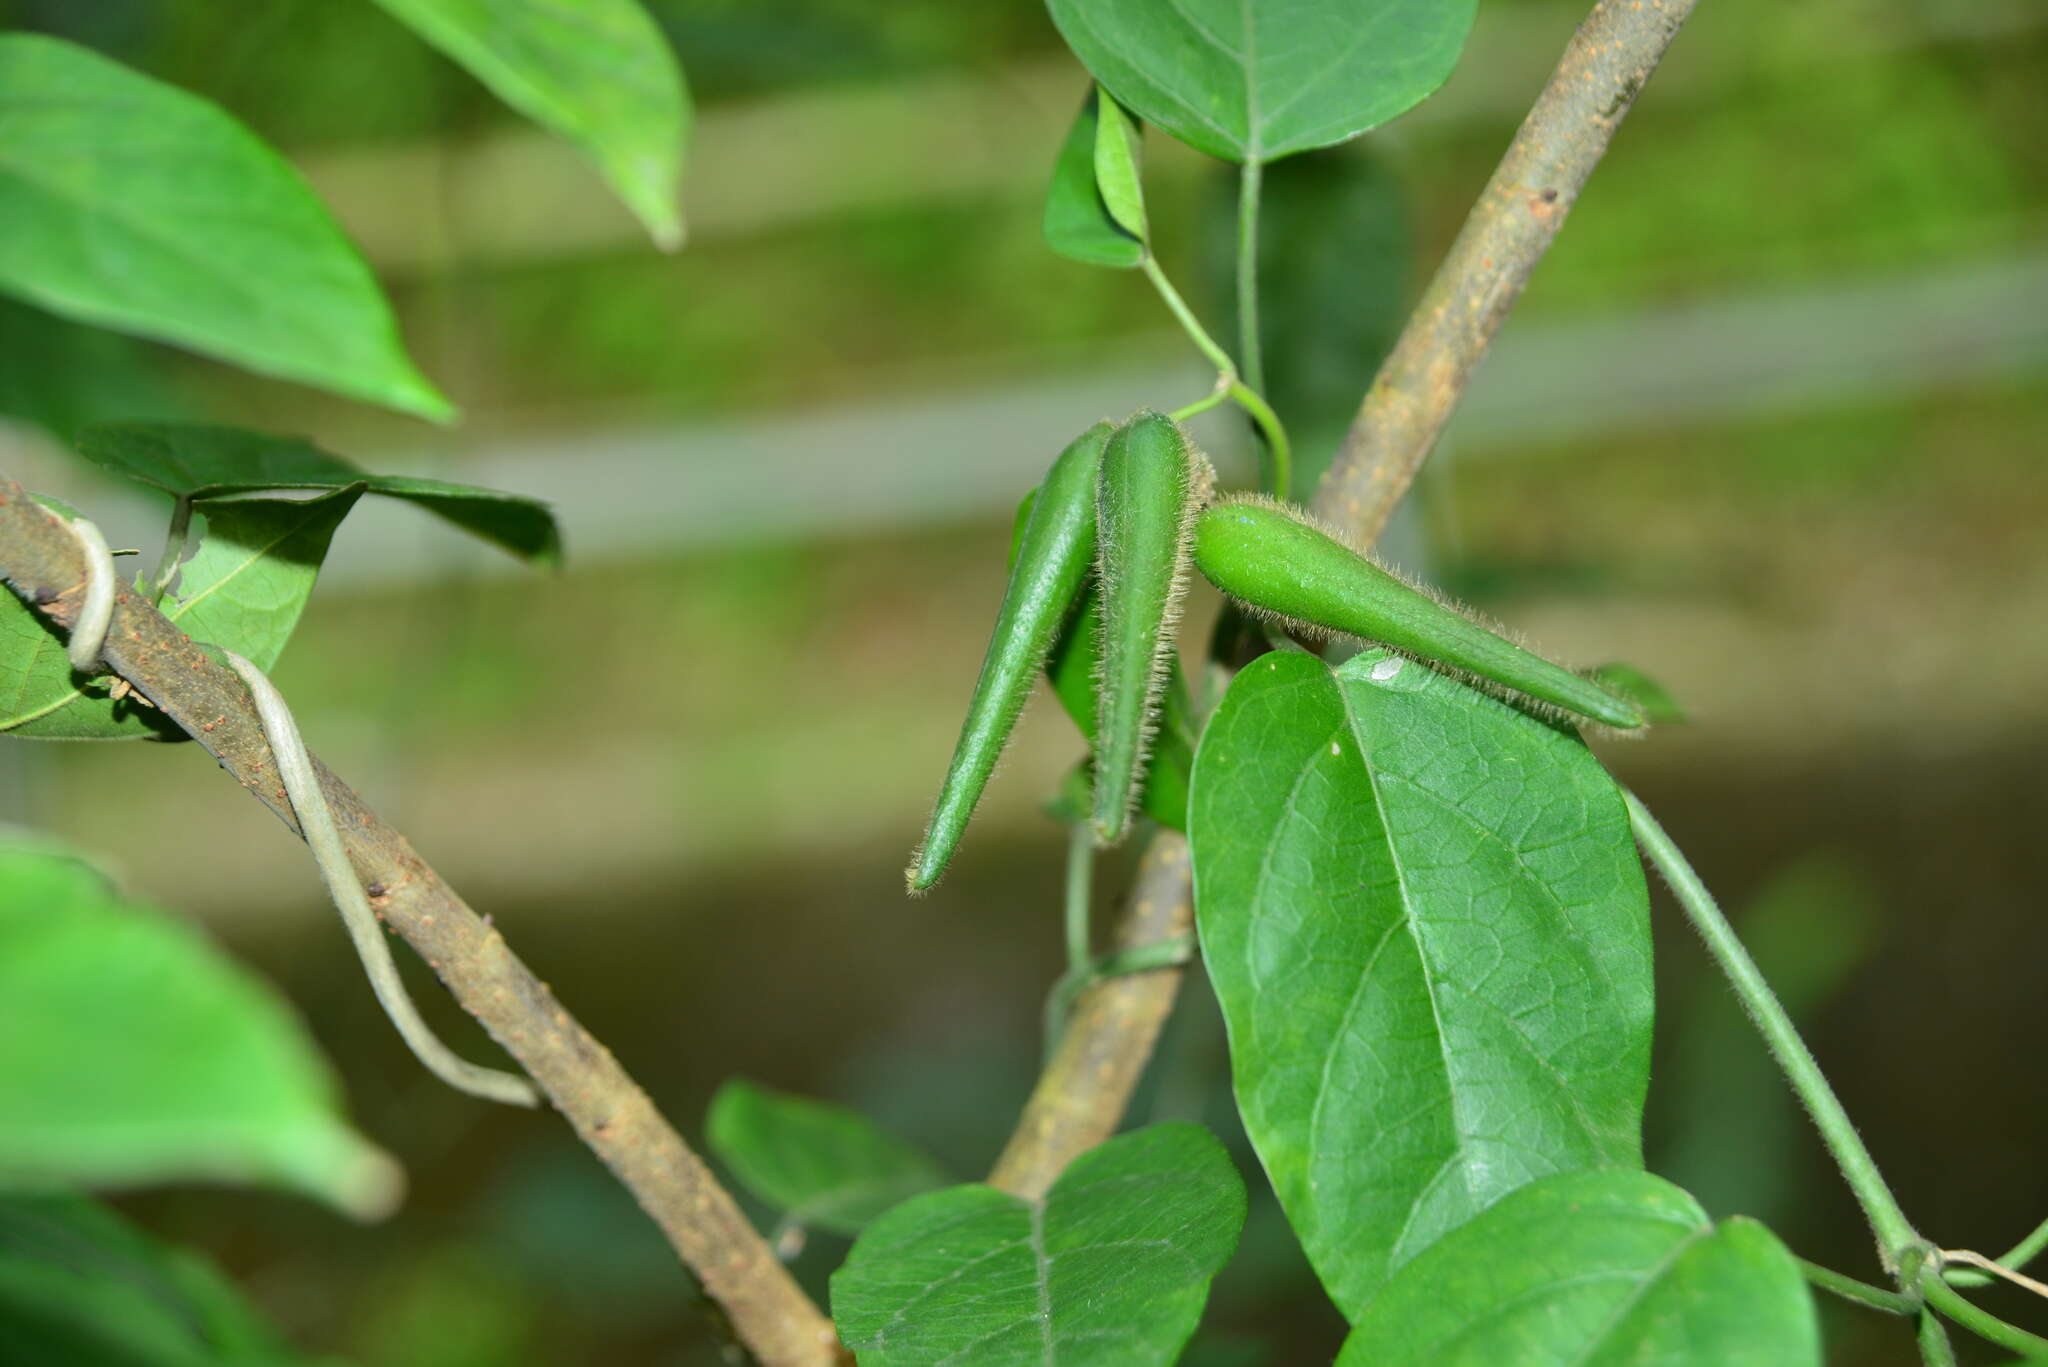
[(1248, 348), (1894, 1232), (1080, 1098), (770, 1315), (1279, 459)]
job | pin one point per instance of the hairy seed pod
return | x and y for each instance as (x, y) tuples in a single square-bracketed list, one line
[(1271, 558), (1151, 484), (1071, 668), (1052, 561)]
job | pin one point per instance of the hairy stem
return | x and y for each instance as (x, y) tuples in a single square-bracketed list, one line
[(1894, 1233), (1862, 1293), (1519, 213), (1935, 1349), (769, 1313)]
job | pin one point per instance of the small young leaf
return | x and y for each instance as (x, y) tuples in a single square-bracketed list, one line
[(80, 1287), (190, 460), (1052, 560), (1079, 224), (1270, 558), (1593, 1267), (1427, 925), (136, 206), (1626, 681), (1110, 1269), (824, 1166), (1147, 495), (1253, 80), (244, 590), (132, 1051), (599, 72), (1118, 155)]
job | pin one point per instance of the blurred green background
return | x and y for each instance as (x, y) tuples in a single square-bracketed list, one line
[(1769, 425)]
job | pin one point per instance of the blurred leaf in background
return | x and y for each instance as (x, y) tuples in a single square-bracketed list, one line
[(133, 1052), (79, 1287)]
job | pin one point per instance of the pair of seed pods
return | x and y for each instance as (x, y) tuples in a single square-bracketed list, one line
[(1096, 580)]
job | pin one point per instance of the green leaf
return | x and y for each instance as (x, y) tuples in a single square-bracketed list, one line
[(599, 72), (825, 1166), (1079, 223), (136, 206), (1253, 80), (62, 375), (1118, 157), (133, 1052), (243, 589), (1594, 1269), (1428, 929), (79, 1286), (190, 460), (1110, 1268)]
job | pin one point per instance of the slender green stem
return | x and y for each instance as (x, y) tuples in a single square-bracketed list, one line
[(1862, 1293), (1185, 316), (1935, 1349), (1059, 1002), (1279, 453), (1248, 186), (1982, 1323), (1279, 462), (1080, 883), (174, 551), (1894, 1232), (1220, 394), (2027, 1249)]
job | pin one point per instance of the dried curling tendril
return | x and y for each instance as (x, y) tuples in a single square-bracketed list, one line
[(316, 824)]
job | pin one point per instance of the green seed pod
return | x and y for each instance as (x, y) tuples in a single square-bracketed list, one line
[(1273, 559), (1071, 669), (1051, 563), (1152, 483)]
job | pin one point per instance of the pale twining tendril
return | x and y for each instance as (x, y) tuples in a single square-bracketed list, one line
[(316, 822), (89, 632), (1963, 1257)]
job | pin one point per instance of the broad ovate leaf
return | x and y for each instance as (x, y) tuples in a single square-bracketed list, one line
[(1109, 1269), (1253, 80), (1428, 928), (823, 1166), (599, 72), (134, 205), (193, 460), (81, 1287), (1594, 1269), (133, 1052), (243, 589), (1079, 222)]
